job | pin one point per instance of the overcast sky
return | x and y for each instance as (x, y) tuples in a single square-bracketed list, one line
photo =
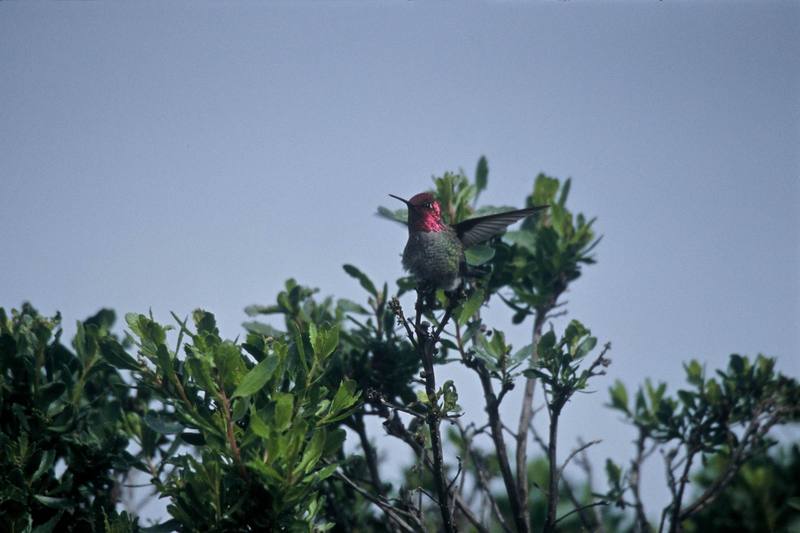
[(169, 156)]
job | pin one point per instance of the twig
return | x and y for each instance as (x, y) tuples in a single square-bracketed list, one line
[(506, 428), (397, 309), (754, 431), (391, 511), (430, 496), (526, 415), (668, 459), (558, 398), (552, 451), (551, 316), (482, 478), (518, 507), (369, 454), (586, 465), (675, 520), (402, 409), (579, 509), (587, 523), (458, 473), (425, 348), (226, 415), (395, 427), (642, 525), (576, 451)]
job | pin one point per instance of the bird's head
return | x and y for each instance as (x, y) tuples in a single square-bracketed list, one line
[(424, 212)]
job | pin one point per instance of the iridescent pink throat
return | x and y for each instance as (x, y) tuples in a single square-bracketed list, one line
[(426, 220)]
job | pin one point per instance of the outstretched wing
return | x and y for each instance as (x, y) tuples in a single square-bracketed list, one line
[(476, 230)]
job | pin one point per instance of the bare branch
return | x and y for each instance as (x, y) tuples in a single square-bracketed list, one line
[(482, 478), (458, 473), (579, 509), (369, 453), (676, 502), (526, 415), (391, 511), (397, 309), (518, 507), (425, 348), (586, 465), (635, 479), (552, 450), (743, 452), (575, 452)]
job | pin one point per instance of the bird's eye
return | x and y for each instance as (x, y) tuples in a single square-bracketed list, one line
[(428, 205)]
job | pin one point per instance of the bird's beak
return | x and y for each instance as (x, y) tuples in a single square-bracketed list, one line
[(401, 199)]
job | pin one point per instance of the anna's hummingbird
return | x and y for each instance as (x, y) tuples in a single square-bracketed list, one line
[(434, 253)]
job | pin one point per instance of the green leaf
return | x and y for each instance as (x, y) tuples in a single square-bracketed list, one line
[(165, 527), (694, 372), (313, 451), (334, 442), (257, 424), (794, 503), (164, 363), (362, 278), (48, 457), (51, 392), (194, 439), (535, 373), (450, 397), (548, 340), (562, 198), (55, 503), (79, 342), (345, 398), (205, 322), (324, 340), (261, 328), (162, 423), (115, 354), (471, 306), (267, 472), (254, 310), (349, 306), (686, 397), (284, 402), (325, 472), (619, 396), (239, 409), (257, 377), (312, 334), (478, 255), (400, 215), (132, 319), (613, 472), (200, 370), (48, 526), (497, 344), (544, 190), (737, 364), (713, 392), (481, 174), (522, 354), (586, 346), (522, 238)]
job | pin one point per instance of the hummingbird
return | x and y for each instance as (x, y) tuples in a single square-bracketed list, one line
[(434, 253)]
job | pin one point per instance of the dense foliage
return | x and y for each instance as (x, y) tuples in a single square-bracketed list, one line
[(64, 425), (248, 435)]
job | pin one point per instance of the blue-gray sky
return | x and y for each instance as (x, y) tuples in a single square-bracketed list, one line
[(174, 155)]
